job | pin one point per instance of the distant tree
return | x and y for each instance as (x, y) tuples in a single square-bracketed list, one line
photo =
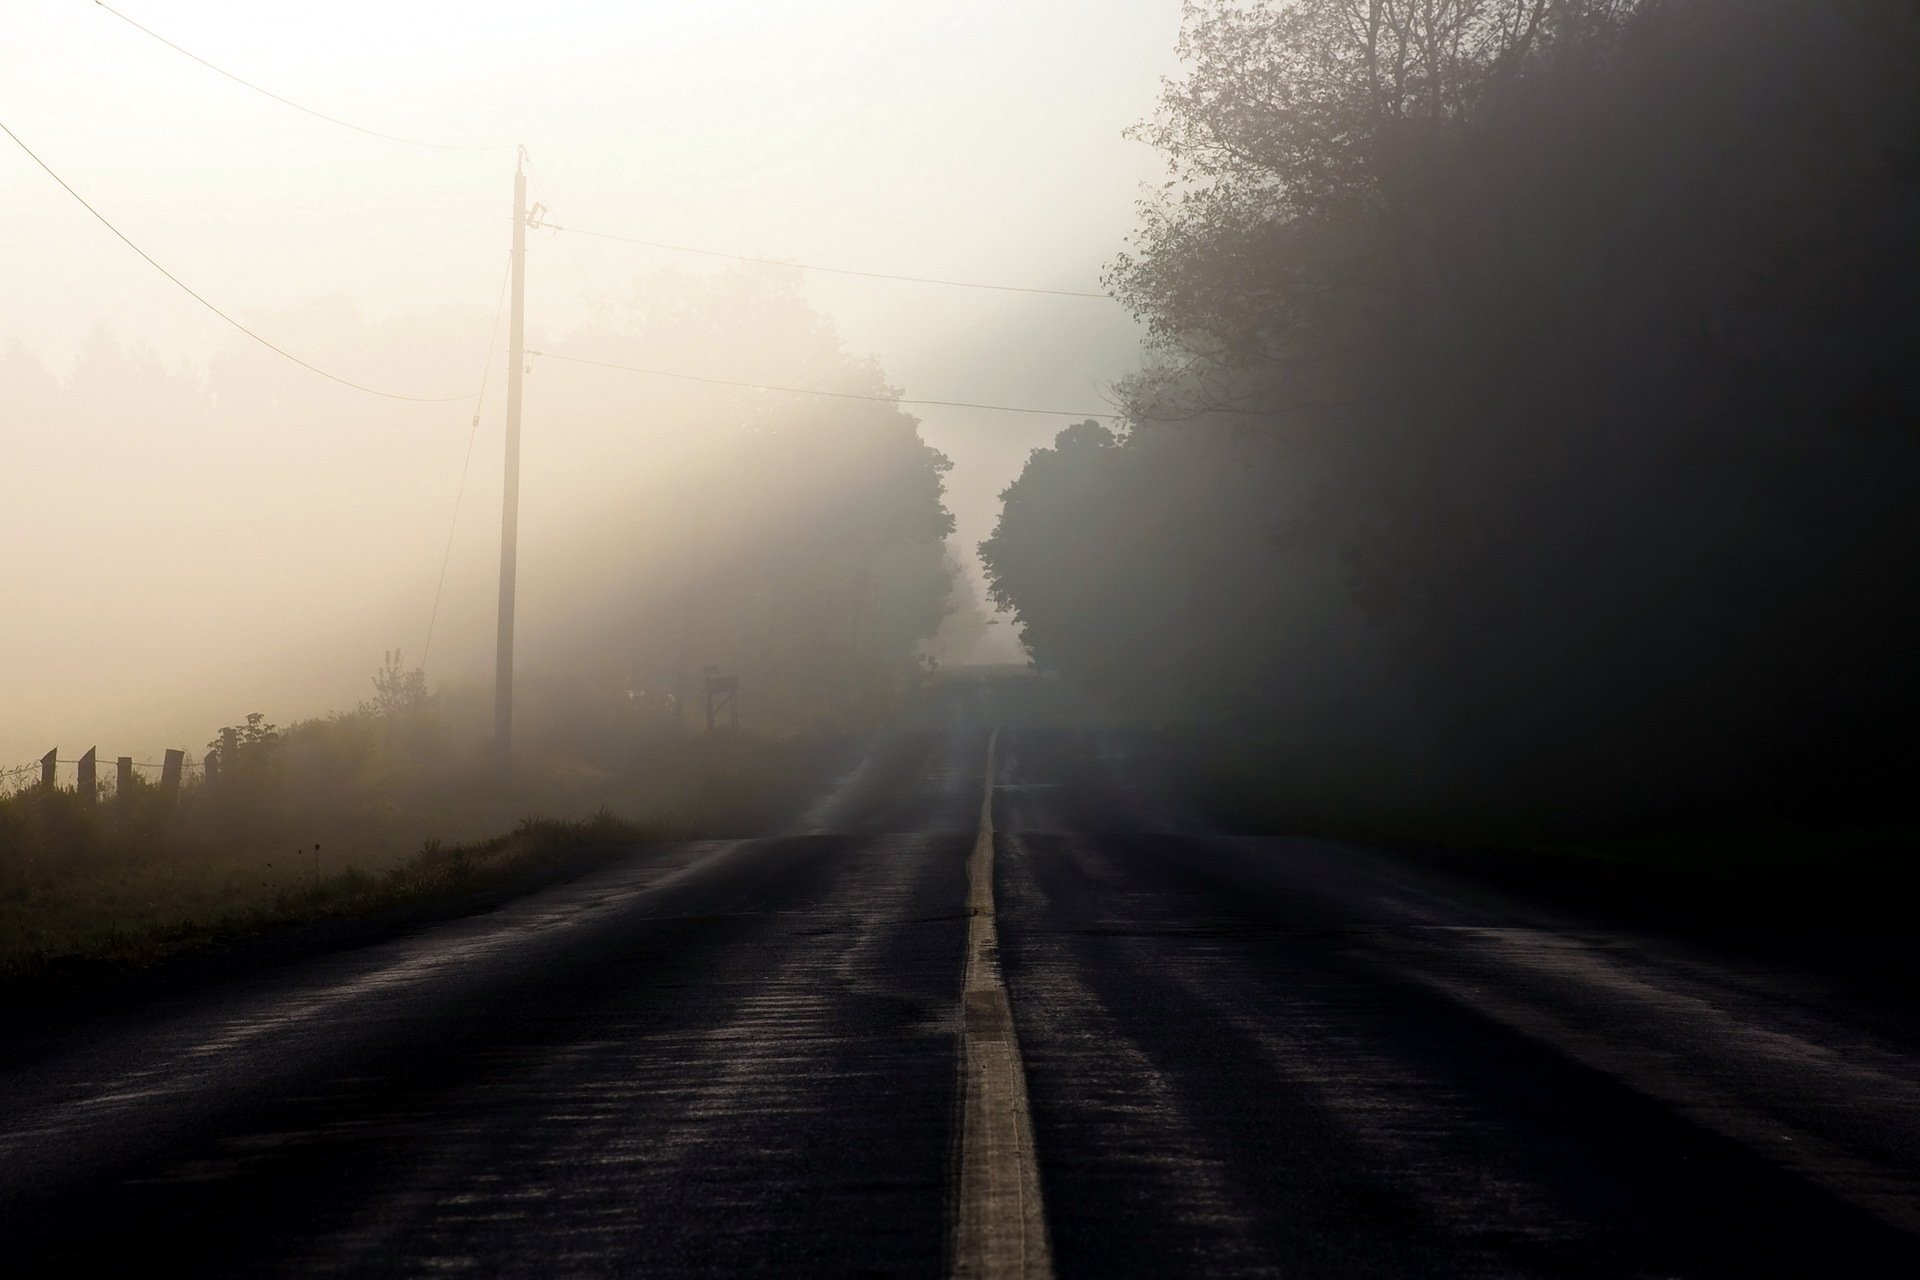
[(800, 546), (965, 622), (1043, 556), (399, 692)]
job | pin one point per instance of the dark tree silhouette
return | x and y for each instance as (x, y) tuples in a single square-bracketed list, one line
[(1579, 336)]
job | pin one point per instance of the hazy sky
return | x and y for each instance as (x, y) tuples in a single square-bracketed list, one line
[(977, 141)]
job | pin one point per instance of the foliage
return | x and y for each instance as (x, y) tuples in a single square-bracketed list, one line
[(254, 742), (399, 692), (350, 819), (793, 540), (964, 623), (1560, 349), (1300, 123), (801, 546)]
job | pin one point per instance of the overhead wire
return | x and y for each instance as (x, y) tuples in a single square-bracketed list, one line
[(591, 290), (542, 224), (284, 101), (191, 292), (601, 235), (816, 391), (587, 282), (813, 266), (466, 465), (478, 395)]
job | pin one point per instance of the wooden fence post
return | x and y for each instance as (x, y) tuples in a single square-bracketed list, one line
[(46, 768), (123, 779), (88, 788), (170, 774)]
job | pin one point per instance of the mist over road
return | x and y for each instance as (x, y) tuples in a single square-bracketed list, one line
[(1241, 1056)]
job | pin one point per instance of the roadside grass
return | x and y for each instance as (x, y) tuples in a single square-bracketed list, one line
[(130, 881), (133, 916)]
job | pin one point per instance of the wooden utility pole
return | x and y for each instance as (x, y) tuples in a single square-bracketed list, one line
[(510, 497)]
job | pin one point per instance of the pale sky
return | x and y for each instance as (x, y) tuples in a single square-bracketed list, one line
[(978, 141)]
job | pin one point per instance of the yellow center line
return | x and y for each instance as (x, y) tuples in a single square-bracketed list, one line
[(1000, 1227)]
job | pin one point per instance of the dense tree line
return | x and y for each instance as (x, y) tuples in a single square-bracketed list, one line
[(797, 542), (1533, 402), (256, 533)]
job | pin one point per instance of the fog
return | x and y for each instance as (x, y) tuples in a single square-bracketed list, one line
[(1343, 572), (1530, 424), (198, 528)]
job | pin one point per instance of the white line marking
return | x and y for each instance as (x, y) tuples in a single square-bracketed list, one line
[(1000, 1228)]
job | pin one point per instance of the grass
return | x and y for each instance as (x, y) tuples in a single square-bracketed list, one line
[(131, 881), (108, 922)]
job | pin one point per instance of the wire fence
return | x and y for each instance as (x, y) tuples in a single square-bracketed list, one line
[(66, 773)]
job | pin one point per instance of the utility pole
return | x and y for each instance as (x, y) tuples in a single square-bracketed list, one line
[(510, 495)]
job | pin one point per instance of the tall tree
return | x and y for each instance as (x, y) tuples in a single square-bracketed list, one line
[(1576, 333)]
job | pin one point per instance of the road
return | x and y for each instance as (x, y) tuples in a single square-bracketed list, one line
[(1137, 1048)]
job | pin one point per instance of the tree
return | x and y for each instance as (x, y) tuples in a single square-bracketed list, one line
[(1299, 119), (1578, 336), (254, 743), (399, 692), (797, 542)]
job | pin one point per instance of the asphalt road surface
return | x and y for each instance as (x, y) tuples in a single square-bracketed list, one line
[(792, 1055)]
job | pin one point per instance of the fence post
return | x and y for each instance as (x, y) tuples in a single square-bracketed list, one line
[(46, 768), (170, 774), (88, 789), (123, 779), (229, 748)]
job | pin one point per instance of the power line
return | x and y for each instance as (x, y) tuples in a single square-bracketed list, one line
[(466, 464), (287, 102), (601, 235), (807, 266), (573, 255), (192, 293), (815, 391)]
